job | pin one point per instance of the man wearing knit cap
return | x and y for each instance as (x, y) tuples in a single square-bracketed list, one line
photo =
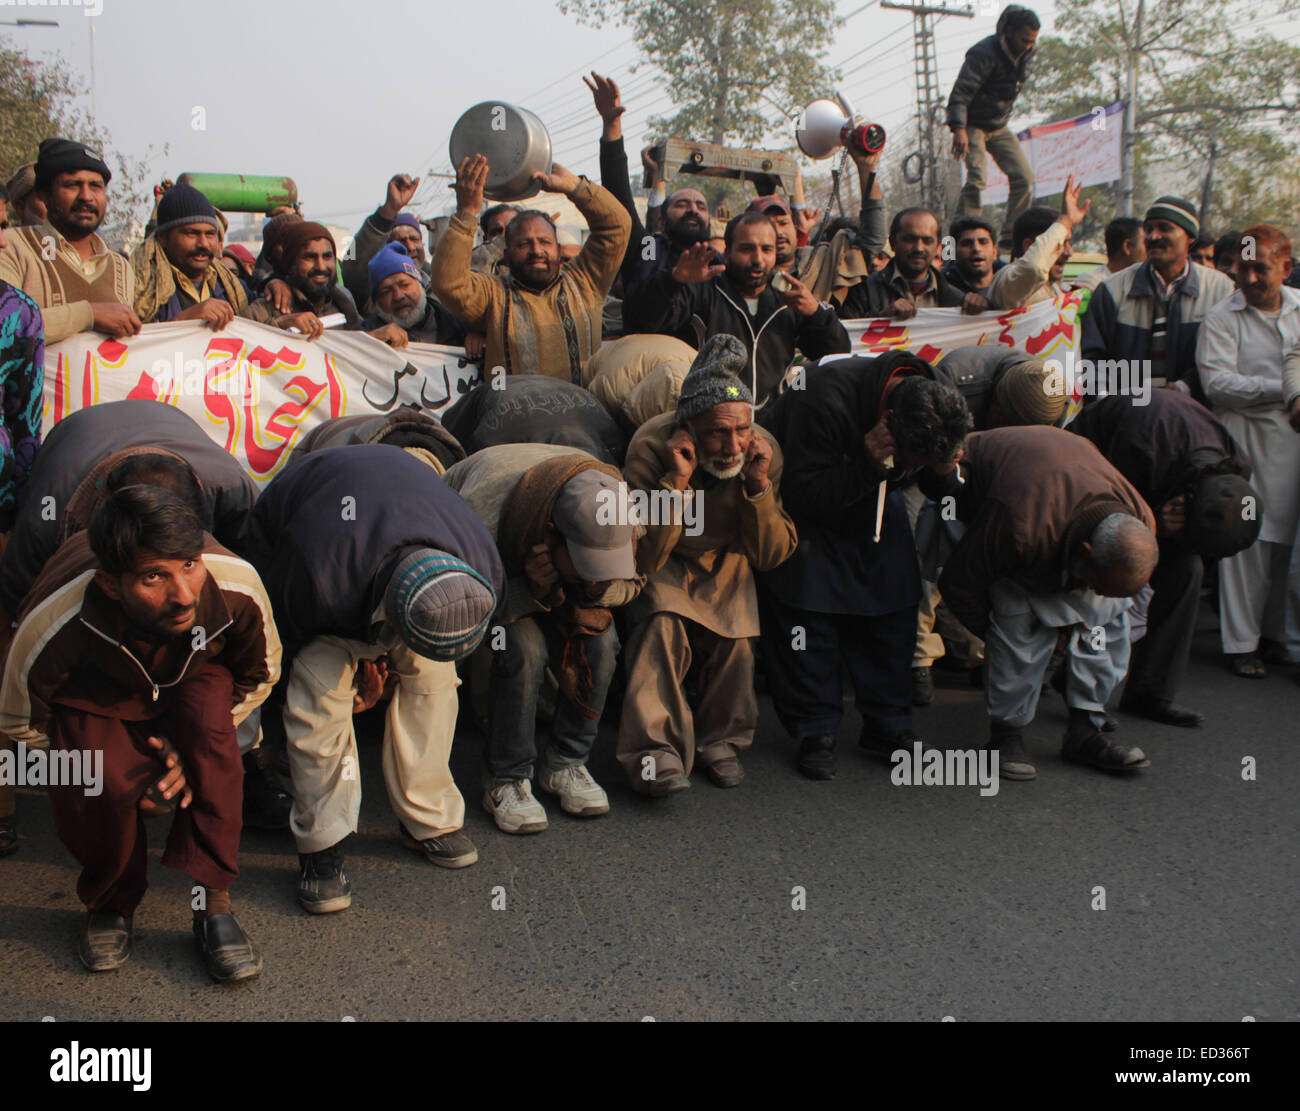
[(307, 260), (77, 282), (715, 480), (399, 299), (25, 207), (1150, 314), (1056, 538), (564, 526), (368, 554), (387, 224), (1001, 386), (1193, 474), (847, 598), (178, 275)]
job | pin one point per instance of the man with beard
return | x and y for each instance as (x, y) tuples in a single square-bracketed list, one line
[(486, 257), (1042, 248), (177, 272), (544, 317), (308, 255), (1152, 312), (76, 281), (142, 646), (847, 598), (698, 299), (910, 280), (387, 224), (398, 299), (716, 480), (685, 211), (975, 255)]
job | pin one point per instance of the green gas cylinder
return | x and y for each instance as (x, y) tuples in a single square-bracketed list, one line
[(243, 192)]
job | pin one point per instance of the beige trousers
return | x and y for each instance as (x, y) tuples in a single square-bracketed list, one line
[(322, 743), (657, 719)]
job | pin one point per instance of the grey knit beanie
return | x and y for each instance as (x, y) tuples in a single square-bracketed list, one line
[(713, 377)]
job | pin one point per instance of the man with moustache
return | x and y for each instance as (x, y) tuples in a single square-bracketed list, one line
[(685, 211), (1154, 311), (308, 259), (545, 316), (145, 644), (387, 224), (398, 298), (178, 275), (62, 264), (1244, 345), (910, 280), (698, 612), (1042, 248), (975, 255), (698, 299)]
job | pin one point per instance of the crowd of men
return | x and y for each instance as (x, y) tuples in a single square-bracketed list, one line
[(683, 477)]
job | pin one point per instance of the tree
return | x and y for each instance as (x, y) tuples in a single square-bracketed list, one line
[(725, 58), (1205, 97), (38, 100)]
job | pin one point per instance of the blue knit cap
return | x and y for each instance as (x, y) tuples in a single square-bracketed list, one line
[(392, 258), (439, 605), (407, 218)]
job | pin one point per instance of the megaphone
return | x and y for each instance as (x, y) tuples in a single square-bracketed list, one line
[(826, 125)]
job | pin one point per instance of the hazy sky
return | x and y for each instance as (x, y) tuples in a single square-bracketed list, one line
[(340, 95)]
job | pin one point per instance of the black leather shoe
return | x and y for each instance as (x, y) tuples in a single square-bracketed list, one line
[(884, 745), (1013, 756), (1093, 749), (227, 953), (817, 756), (922, 686), (105, 941), (1157, 709)]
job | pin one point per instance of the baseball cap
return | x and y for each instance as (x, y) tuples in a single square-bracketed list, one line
[(593, 514)]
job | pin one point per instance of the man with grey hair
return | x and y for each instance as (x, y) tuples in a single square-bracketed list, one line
[(1056, 539), (719, 476)]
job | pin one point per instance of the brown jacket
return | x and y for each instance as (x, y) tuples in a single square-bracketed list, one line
[(1032, 495), (551, 331), (709, 578), (73, 645)]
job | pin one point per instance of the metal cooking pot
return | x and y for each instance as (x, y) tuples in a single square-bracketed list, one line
[(515, 142)]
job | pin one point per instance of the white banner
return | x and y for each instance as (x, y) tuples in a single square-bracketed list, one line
[(1046, 330), (1089, 147), (254, 389)]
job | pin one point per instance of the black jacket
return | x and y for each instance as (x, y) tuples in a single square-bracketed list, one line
[(329, 529), (830, 491), (695, 311), (93, 440), (874, 295), (536, 409), (1162, 447), (985, 91), (976, 371)]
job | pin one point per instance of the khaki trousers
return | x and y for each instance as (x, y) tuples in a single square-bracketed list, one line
[(322, 743), (657, 719), (1011, 160)]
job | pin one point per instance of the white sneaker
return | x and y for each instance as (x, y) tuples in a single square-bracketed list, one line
[(579, 793), (514, 809)]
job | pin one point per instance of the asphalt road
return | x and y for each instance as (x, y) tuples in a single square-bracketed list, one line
[(921, 902)]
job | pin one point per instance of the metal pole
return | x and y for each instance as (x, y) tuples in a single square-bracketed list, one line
[(1132, 59)]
